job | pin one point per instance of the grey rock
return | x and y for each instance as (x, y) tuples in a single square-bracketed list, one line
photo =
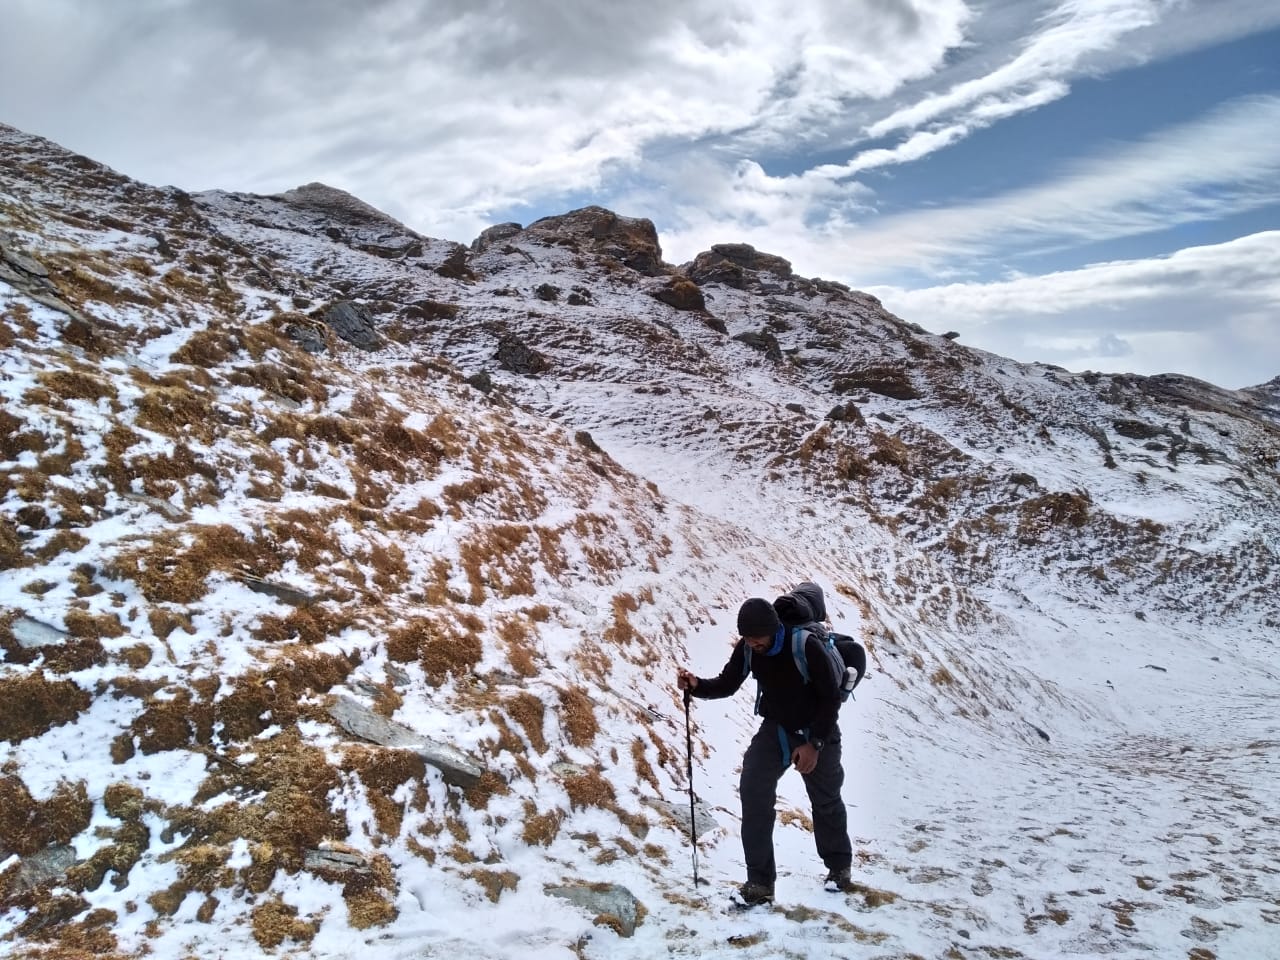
[(26, 264), (359, 721), (518, 357), (495, 234), (281, 591), (32, 634), (335, 862), (40, 868), (352, 323), (306, 336), (678, 814), (767, 343), (602, 900)]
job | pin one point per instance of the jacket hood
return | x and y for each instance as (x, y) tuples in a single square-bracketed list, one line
[(804, 604)]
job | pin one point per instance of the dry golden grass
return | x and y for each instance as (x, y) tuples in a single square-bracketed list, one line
[(494, 882), (169, 571), (590, 789), (275, 921), (28, 825), (72, 384), (208, 348), (578, 717), (643, 768), (540, 829), (31, 704), (15, 440), (529, 712), (620, 631), (443, 647), (383, 771), (178, 412)]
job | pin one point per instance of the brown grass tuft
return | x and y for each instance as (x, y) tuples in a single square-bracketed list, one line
[(31, 704), (540, 829), (28, 825), (589, 789), (77, 385), (443, 648), (494, 882), (578, 717), (177, 411), (275, 921), (529, 711)]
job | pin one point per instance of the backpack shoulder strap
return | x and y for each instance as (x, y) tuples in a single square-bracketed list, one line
[(798, 635)]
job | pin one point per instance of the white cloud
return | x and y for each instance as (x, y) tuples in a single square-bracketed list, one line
[(1214, 309)]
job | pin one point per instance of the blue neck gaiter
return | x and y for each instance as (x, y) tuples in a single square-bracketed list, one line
[(777, 642)]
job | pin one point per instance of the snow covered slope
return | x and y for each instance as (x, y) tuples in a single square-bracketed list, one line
[(295, 497)]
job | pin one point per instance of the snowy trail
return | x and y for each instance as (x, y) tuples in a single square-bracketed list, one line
[(1125, 846)]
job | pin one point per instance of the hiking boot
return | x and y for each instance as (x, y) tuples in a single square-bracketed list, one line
[(753, 893), (839, 880)]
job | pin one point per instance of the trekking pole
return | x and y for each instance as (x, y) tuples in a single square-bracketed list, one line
[(688, 752)]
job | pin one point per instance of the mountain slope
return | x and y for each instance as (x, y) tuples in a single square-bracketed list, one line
[(296, 497)]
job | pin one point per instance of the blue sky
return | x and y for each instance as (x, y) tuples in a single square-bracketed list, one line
[(1091, 183)]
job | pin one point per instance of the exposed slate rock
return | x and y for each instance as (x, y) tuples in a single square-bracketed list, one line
[(609, 902), (630, 240), (517, 356), (494, 235), (359, 721), (883, 380), (763, 341), (353, 323)]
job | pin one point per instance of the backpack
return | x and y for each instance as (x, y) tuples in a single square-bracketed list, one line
[(848, 657)]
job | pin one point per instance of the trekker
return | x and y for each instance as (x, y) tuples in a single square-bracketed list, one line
[(798, 727)]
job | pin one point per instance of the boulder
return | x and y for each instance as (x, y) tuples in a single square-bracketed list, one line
[(886, 381), (359, 721), (631, 240), (614, 906), (517, 356), (749, 258), (352, 323), (493, 235), (765, 342), (734, 264), (681, 293)]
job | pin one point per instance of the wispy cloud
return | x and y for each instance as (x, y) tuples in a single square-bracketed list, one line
[(1214, 309), (1218, 165)]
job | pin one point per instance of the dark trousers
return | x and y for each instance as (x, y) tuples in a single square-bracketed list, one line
[(762, 766)]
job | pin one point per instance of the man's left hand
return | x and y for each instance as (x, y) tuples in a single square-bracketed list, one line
[(805, 757)]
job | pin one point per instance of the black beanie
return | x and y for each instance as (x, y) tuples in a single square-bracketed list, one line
[(756, 618)]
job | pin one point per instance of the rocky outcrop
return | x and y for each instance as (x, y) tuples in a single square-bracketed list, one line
[(735, 265), (679, 292), (764, 341), (884, 380), (631, 240), (353, 323), (496, 234), (518, 357), (340, 207)]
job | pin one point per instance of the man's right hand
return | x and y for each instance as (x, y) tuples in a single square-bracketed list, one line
[(686, 680)]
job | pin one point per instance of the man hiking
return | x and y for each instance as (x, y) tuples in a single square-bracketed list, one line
[(798, 727)]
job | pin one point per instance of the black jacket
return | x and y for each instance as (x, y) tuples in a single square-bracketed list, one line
[(785, 697)]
